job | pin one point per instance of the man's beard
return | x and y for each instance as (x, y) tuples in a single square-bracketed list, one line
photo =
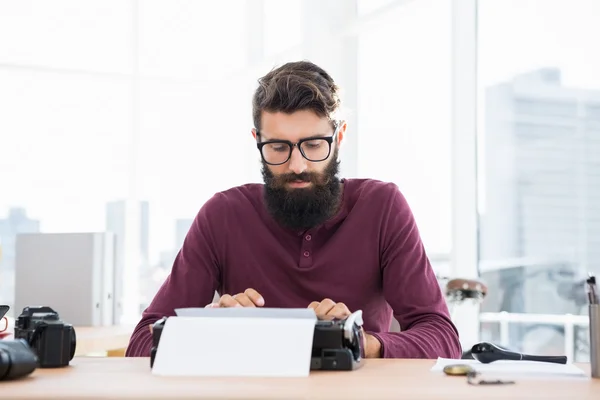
[(303, 208)]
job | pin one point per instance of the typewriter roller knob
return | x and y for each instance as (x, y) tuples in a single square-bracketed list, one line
[(354, 318)]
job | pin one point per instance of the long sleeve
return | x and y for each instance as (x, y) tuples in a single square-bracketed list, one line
[(193, 279), (413, 292)]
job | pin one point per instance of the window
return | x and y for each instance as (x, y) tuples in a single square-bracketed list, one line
[(191, 40), (404, 112), (67, 35), (65, 154), (66, 106), (538, 168), (117, 108), (281, 33), (593, 112), (368, 7)]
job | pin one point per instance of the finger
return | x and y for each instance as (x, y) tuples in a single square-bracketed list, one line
[(212, 305), (314, 305), (255, 297), (228, 301), (325, 306), (339, 311), (244, 300)]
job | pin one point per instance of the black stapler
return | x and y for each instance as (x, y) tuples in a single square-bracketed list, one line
[(337, 344)]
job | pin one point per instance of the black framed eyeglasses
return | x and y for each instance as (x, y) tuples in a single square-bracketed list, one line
[(314, 149)]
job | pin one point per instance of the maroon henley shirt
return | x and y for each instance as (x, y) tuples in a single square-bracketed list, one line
[(369, 256)]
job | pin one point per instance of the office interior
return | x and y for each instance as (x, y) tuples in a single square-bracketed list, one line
[(120, 119)]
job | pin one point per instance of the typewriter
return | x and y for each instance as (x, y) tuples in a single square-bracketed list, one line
[(337, 344)]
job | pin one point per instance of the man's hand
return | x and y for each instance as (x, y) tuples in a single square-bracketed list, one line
[(328, 309), (250, 298)]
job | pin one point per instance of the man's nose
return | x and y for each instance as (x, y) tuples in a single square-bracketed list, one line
[(297, 161)]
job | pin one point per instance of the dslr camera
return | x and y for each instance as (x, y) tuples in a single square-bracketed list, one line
[(52, 340)]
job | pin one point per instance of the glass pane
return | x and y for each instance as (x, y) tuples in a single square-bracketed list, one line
[(282, 25), (539, 164), (65, 154), (91, 35), (200, 40), (191, 146), (365, 7), (404, 120), (195, 130)]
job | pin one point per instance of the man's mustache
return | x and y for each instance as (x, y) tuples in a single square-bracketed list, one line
[(292, 177)]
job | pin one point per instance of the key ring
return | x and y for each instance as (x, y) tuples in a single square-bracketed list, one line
[(472, 375)]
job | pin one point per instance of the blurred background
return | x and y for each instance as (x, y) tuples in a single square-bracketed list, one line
[(125, 116)]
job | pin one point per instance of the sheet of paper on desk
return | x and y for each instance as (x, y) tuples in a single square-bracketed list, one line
[(223, 342), (517, 369)]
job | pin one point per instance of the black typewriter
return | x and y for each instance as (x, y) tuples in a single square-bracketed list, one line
[(337, 344)]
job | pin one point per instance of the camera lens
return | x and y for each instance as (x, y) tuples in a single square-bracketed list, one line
[(4, 364), (73, 344), (16, 359)]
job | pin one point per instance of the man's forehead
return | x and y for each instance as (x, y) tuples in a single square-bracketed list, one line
[(292, 137), (294, 126)]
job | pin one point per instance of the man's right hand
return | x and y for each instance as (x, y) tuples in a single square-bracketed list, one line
[(250, 298)]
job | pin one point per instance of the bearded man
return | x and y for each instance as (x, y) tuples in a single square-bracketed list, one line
[(308, 238)]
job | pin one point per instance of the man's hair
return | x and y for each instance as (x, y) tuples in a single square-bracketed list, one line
[(296, 86)]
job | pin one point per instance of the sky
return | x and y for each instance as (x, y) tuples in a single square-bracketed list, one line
[(66, 143)]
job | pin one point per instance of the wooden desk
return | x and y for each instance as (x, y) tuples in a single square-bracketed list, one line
[(131, 378), (102, 339)]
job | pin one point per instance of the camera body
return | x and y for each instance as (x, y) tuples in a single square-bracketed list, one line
[(52, 340), (17, 360)]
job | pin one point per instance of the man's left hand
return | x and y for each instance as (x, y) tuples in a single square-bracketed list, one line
[(327, 309)]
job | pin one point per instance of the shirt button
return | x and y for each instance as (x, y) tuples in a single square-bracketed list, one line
[(306, 254), (308, 237)]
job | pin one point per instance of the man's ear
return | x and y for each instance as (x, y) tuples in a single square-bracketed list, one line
[(254, 133), (341, 132)]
